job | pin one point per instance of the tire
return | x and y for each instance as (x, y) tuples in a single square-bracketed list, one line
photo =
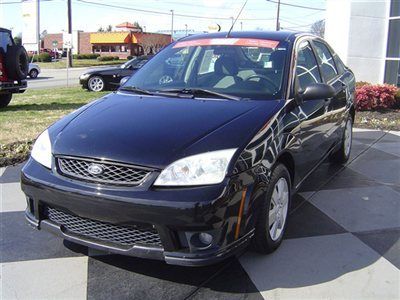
[(5, 100), (33, 73), (341, 156), (17, 62), (268, 235), (96, 84)]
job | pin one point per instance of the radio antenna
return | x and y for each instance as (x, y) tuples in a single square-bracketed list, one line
[(237, 17)]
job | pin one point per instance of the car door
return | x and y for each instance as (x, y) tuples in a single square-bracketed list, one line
[(311, 113), (337, 104)]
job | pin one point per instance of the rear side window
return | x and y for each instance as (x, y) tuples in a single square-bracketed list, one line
[(5, 40), (328, 68), (307, 71)]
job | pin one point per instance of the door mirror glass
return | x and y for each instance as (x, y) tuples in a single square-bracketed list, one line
[(123, 80), (317, 91)]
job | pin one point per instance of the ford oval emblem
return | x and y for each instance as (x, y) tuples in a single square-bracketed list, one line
[(95, 169)]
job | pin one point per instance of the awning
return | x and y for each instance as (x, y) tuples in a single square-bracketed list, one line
[(112, 38)]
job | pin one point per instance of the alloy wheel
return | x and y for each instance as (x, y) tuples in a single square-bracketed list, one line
[(278, 208), (348, 135), (96, 84)]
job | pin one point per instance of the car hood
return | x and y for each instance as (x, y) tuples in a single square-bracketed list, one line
[(103, 70), (154, 131)]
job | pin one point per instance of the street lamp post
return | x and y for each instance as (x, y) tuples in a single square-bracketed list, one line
[(186, 29)]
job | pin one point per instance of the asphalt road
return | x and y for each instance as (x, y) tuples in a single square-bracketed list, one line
[(50, 78)]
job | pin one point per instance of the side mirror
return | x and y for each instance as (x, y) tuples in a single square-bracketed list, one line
[(316, 91), (123, 80)]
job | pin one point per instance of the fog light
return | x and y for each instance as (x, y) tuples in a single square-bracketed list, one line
[(205, 238)]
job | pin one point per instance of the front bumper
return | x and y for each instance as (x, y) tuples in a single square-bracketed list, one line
[(176, 214), (13, 86)]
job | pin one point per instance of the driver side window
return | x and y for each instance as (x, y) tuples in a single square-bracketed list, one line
[(307, 71)]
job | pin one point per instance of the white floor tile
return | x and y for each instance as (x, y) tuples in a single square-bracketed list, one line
[(63, 278)]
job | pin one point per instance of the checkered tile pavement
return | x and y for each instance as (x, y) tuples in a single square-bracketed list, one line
[(343, 242)]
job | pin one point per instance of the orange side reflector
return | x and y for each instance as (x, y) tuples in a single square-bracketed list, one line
[(241, 208)]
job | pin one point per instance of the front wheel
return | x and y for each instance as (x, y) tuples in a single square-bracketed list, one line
[(272, 219), (5, 100), (96, 84), (342, 155), (33, 73)]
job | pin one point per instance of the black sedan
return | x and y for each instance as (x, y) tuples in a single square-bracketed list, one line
[(199, 153), (101, 79)]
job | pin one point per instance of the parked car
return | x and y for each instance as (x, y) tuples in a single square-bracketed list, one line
[(98, 80), (193, 166), (13, 67), (53, 53), (34, 70)]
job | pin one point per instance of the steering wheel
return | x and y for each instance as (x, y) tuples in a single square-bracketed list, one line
[(265, 78)]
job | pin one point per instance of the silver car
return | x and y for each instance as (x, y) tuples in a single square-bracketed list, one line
[(34, 70)]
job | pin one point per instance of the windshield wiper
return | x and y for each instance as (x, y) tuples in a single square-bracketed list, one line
[(136, 90), (199, 92)]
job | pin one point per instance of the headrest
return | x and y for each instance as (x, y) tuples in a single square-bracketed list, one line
[(226, 65)]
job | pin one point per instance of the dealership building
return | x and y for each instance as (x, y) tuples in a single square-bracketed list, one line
[(366, 34), (125, 41)]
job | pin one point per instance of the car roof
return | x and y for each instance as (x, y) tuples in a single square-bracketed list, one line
[(5, 30), (266, 35)]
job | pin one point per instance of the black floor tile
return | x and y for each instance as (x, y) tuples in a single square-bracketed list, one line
[(349, 178), (21, 242), (307, 221), (122, 277), (11, 174), (232, 283), (385, 242)]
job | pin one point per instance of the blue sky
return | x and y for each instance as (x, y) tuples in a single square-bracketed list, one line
[(89, 17)]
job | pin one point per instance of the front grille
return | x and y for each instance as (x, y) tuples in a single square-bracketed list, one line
[(112, 173), (113, 234)]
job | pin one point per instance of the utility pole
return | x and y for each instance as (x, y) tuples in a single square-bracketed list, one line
[(172, 24), (186, 34), (69, 62), (38, 26), (277, 16), (241, 26)]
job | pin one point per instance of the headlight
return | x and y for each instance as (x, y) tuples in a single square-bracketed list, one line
[(41, 151), (200, 169), (84, 76)]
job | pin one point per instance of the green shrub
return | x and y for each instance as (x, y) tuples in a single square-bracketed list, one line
[(35, 58), (107, 58), (44, 57), (86, 56)]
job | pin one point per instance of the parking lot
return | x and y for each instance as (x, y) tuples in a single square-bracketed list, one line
[(342, 243)]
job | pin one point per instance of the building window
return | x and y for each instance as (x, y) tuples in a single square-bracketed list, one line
[(393, 48), (395, 8), (392, 66)]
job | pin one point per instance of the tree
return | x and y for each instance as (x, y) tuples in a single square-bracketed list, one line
[(101, 29), (18, 39), (318, 28), (136, 24), (109, 28)]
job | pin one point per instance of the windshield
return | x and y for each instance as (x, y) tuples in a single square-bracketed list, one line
[(128, 63), (242, 67)]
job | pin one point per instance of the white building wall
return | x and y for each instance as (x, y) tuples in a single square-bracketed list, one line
[(362, 37)]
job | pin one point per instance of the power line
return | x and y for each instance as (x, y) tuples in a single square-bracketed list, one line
[(296, 5), (166, 13), (19, 2)]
